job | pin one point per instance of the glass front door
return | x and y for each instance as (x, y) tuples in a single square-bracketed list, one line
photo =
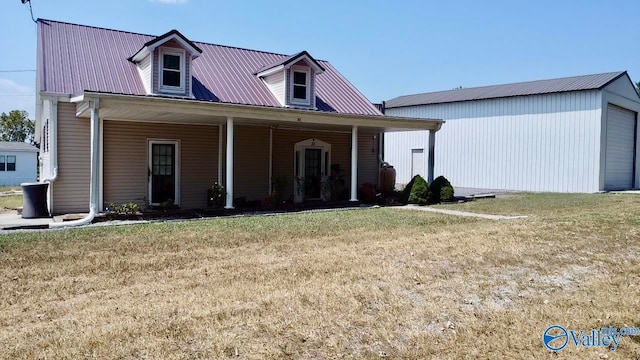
[(312, 173), (163, 173)]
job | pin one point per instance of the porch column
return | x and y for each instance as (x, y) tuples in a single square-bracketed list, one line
[(270, 190), (432, 147), (220, 139), (354, 164), (229, 183)]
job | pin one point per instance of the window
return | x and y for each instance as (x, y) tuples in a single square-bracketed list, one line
[(172, 69), (300, 87), (11, 163), (2, 165)]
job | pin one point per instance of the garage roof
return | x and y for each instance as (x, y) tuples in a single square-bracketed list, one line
[(574, 83), (17, 146)]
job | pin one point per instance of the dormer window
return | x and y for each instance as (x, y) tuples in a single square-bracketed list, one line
[(291, 79), (165, 64), (173, 70), (300, 86)]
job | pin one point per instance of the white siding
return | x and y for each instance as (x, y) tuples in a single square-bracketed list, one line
[(144, 68), (275, 83), (26, 167), (530, 143)]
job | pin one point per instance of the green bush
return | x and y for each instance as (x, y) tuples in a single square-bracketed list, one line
[(419, 191), (441, 190), (129, 208)]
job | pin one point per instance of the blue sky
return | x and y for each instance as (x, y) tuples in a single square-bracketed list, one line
[(385, 48)]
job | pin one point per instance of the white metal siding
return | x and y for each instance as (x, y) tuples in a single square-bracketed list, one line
[(620, 148), (532, 143), (26, 168)]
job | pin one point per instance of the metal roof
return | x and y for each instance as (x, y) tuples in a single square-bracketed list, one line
[(17, 146), (290, 59), (76, 58), (575, 83)]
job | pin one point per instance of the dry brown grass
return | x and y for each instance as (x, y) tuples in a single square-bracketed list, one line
[(9, 200), (359, 284)]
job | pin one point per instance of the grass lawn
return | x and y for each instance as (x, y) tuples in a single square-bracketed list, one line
[(9, 203), (359, 284)]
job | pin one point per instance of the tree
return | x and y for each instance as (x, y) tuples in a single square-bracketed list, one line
[(16, 126), (638, 86)]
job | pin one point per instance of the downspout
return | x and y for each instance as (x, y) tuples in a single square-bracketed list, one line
[(53, 143), (52, 139), (94, 181), (383, 108)]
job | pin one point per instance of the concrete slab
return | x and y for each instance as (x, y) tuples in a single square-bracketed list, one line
[(465, 192), (13, 220), (460, 213)]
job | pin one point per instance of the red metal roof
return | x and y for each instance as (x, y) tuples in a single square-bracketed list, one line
[(76, 58)]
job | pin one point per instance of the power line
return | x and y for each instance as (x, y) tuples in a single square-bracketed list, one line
[(16, 71)]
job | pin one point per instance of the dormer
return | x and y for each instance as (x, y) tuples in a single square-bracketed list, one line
[(164, 64), (292, 80)]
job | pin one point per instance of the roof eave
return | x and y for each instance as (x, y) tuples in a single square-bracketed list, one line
[(268, 113)]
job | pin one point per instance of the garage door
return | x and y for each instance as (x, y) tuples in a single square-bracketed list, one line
[(619, 160)]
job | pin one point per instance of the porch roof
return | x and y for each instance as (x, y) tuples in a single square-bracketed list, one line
[(190, 111)]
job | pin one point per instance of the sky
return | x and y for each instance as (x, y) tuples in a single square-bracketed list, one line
[(385, 48)]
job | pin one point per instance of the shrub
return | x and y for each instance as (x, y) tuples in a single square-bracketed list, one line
[(217, 195), (441, 190), (407, 191), (419, 191), (129, 208)]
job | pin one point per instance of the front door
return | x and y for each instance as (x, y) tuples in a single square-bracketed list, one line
[(312, 172), (312, 159), (163, 172)]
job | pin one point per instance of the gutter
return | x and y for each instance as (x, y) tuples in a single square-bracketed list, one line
[(93, 185), (53, 144)]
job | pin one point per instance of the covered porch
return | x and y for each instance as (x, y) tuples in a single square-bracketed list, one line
[(169, 148)]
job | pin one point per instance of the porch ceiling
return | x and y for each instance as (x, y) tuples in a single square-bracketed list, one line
[(186, 111)]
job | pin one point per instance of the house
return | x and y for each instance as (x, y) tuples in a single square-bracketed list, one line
[(18, 163), (575, 134), (158, 119)]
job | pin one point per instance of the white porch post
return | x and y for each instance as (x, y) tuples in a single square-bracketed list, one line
[(354, 164), (229, 183), (220, 140), (432, 147), (270, 161)]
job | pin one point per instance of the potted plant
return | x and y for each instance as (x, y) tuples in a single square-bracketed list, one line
[(216, 195), (325, 188), (299, 193)]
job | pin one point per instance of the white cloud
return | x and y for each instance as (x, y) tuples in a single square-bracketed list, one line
[(14, 96), (170, 1)]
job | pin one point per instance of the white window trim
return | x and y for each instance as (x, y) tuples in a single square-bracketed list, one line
[(177, 52), (150, 143), (307, 72)]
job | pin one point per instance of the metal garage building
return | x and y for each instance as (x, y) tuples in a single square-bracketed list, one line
[(576, 134)]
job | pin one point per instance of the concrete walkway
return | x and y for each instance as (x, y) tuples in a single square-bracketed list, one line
[(460, 213)]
